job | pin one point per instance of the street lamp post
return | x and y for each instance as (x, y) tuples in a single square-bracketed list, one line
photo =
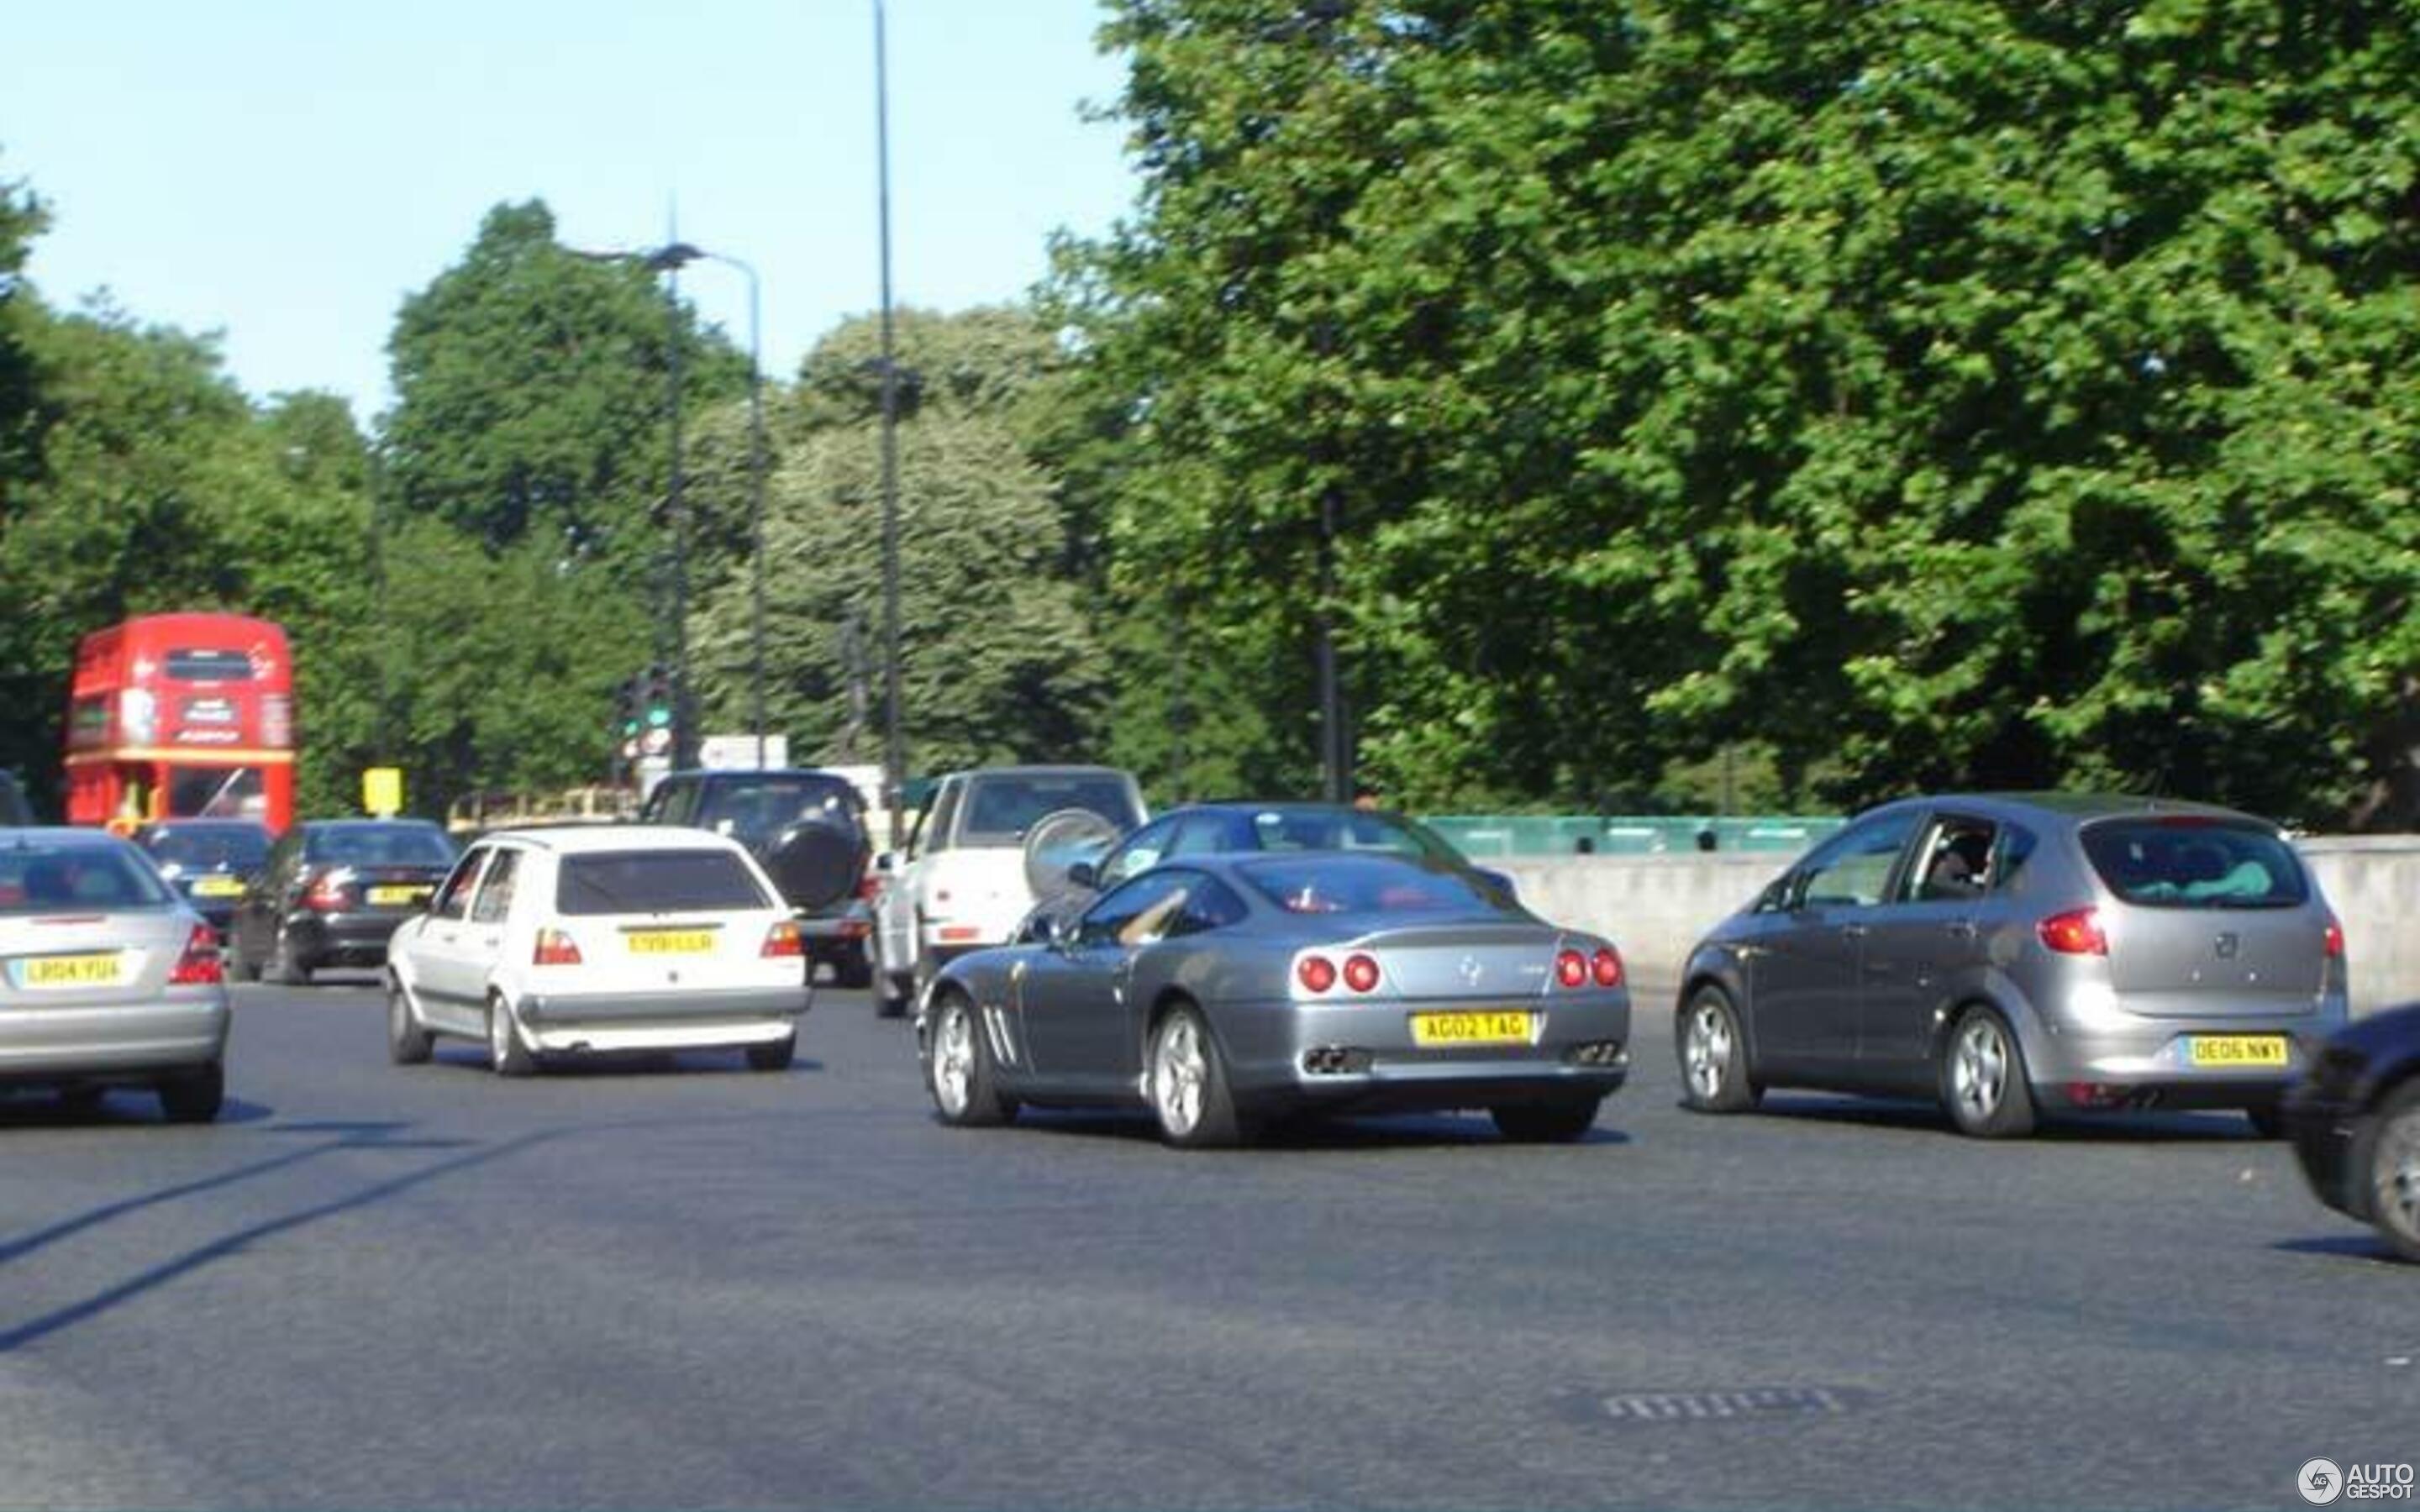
[(670, 259), (894, 752)]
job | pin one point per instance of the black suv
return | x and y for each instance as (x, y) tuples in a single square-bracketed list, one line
[(808, 829)]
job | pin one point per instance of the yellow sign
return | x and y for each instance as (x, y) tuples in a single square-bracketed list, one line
[(382, 790)]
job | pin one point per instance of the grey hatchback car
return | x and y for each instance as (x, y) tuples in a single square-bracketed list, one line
[(2018, 954)]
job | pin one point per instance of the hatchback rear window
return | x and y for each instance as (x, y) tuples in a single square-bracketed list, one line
[(656, 882), (2196, 863), (43, 880)]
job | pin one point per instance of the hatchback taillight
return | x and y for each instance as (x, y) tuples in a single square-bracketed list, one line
[(555, 949), (2333, 941), (784, 942), (2077, 931), (199, 965)]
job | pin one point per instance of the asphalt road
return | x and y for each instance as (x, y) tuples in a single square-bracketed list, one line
[(676, 1283)]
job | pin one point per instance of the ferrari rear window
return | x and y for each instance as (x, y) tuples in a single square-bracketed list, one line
[(1369, 884), (656, 882)]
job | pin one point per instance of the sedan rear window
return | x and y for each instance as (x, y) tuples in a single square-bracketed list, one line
[(40, 880), (1364, 884), (2189, 862), (656, 882)]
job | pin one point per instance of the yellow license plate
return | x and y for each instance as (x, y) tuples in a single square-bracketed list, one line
[(2239, 1050), (1470, 1028), (218, 888), (393, 897), (70, 971), (671, 941)]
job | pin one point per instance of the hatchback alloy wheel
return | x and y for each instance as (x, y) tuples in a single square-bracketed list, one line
[(1710, 1051), (1984, 1084), (1979, 1071)]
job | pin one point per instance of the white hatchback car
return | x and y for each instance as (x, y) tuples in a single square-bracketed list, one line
[(549, 941)]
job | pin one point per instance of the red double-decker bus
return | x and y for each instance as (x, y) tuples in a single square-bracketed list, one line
[(181, 716)]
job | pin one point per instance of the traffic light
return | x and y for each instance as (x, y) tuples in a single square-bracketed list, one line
[(655, 688)]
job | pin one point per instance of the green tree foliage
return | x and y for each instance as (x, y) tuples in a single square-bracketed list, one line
[(1953, 391), (531, 393), (997, 660), (155, 485)]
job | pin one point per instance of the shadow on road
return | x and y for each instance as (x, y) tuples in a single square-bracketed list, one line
[(607, 1064), (120, 1107), (2368, 1247), (17, 1335), (1436, 1131), (2056, 1128)]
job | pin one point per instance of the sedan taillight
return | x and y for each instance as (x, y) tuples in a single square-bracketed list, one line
[(326, 894), (1571, 968), (199, 965)]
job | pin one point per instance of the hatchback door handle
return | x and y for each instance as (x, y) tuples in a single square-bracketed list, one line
[(1962, 928), (1852, 932)]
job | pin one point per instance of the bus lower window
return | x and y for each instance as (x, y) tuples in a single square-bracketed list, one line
[(216, 793)]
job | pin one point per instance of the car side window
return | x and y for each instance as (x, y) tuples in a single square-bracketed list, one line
[(495, 897), (943, 814), (1210, 905), (1952, 863), (675, 803), (1853, 868), (1139, 852), (1205, 834), (1136, 913), (2016, 847), (453, 900)]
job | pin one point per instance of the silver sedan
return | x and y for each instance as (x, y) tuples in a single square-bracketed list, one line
[(107, 977), (1219, 992)]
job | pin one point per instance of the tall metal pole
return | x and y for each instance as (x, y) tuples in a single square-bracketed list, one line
[(895, 753), (677, 507), (755, 513)]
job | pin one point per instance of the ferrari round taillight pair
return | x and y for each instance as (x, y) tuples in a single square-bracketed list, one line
[(1318, 974)]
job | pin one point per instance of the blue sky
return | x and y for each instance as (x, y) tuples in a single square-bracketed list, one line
[(286, 172)]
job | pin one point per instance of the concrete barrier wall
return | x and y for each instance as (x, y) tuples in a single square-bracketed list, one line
[(1656, 907)]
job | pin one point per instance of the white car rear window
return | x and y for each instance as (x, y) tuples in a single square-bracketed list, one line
[(656, 882)]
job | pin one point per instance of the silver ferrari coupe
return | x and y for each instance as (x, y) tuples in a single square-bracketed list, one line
[(1221, 991)]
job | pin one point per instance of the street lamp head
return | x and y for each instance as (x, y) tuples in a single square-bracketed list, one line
[(671, 258)]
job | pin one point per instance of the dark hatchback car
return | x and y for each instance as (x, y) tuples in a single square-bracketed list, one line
[(207, 861), (2355, 1123), (332, 892), (807, 829), (1241, 828), (2013, 954)]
